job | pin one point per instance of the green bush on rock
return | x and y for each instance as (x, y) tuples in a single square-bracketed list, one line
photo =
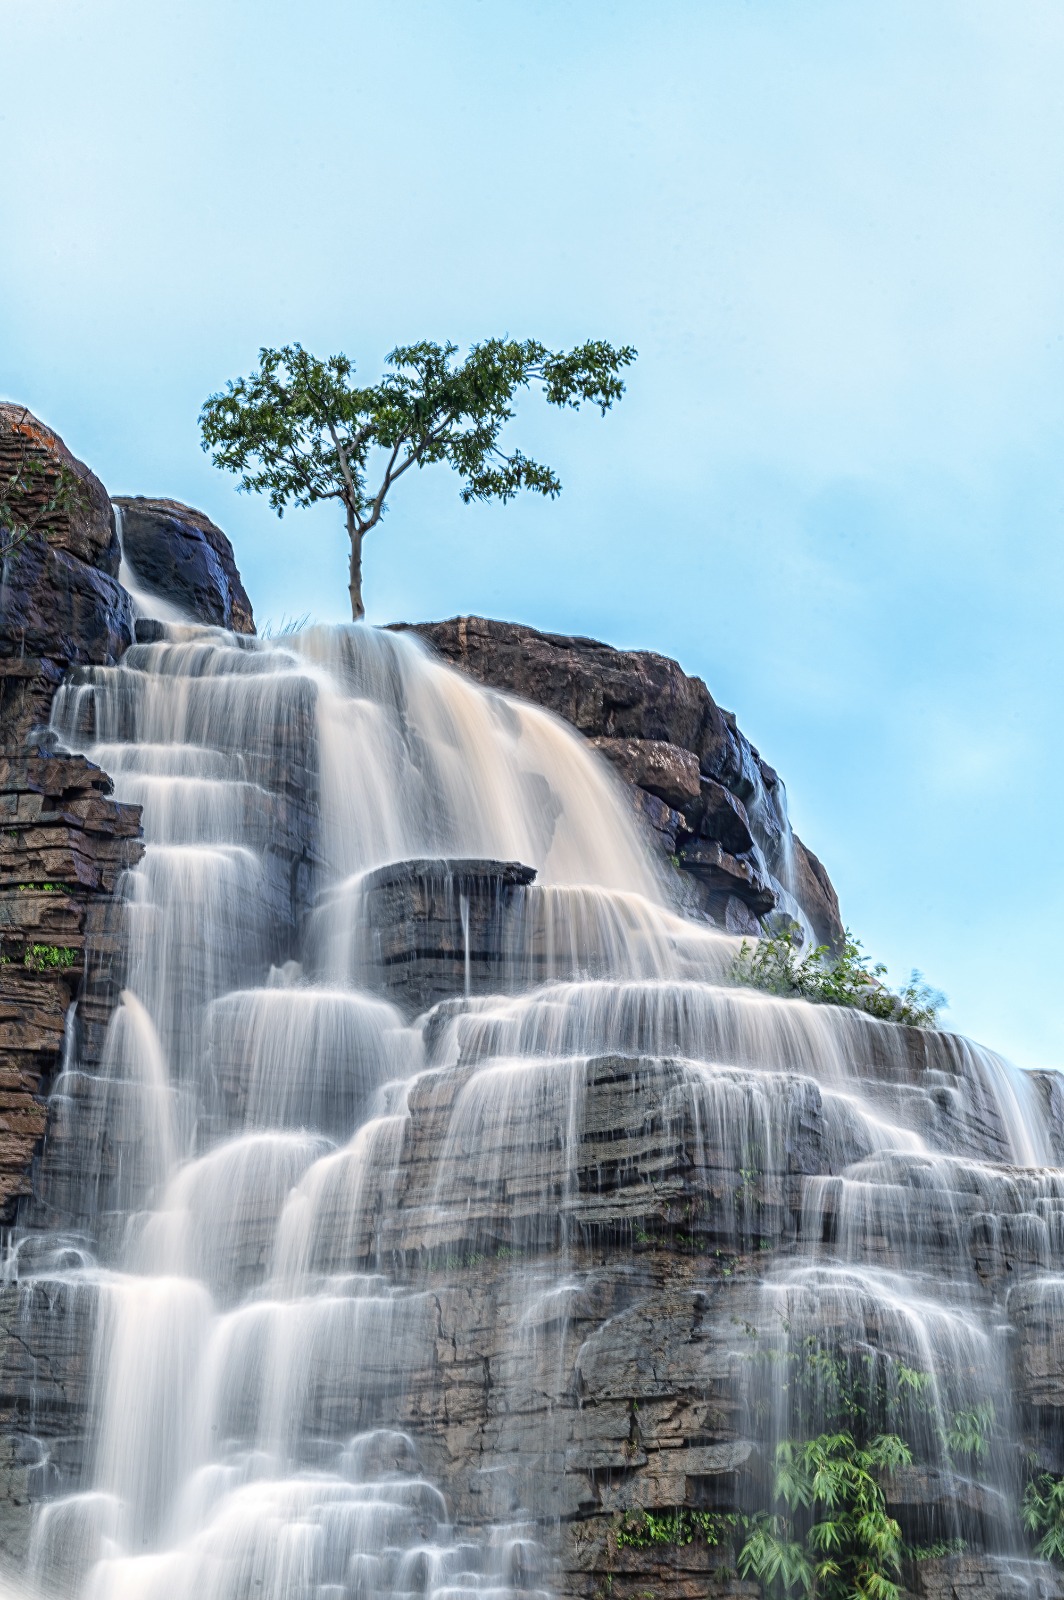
[(42, 957), (644, 1529), (780, 965)]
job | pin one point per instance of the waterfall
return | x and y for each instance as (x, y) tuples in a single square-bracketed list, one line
[(299, 1224)]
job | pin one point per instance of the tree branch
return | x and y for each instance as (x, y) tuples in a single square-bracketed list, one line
[(344, 468)]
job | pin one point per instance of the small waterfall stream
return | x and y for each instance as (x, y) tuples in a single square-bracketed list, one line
[(267, 1187)]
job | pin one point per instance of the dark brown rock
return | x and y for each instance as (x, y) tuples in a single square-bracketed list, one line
[(816, 895), (666, 825), (60, 601), (723, 817), (64, 844), (60, 608), (724, 873), (661, 768), (179, 553), (661, 729), (36, 468), (606, 693)]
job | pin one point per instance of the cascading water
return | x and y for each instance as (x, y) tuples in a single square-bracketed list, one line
[(275, 1189)]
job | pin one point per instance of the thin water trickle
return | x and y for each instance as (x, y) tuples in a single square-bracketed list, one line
[(261, 1189)]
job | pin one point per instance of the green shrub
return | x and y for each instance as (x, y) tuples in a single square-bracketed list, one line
[(780, 965), (830, 1535), (936, 1551), (41, 957), (968, 1435), (1043, 1515), (640, 1530)]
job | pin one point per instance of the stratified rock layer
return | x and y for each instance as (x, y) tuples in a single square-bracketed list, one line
[(64, 845), (440, 928)]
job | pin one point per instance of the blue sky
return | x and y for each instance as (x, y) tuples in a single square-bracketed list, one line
[(833, 229)]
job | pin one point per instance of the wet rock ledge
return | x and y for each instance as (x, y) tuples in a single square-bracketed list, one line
[(442, 928)]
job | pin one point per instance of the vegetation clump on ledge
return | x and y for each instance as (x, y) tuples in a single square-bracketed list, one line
[(44, 958), (781, 965)]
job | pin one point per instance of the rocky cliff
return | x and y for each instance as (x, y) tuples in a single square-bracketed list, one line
[(64, 842), (715, 809)]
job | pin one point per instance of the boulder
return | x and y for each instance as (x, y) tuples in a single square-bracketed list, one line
[(723, 873), (661, 768), (442, 928), (723, 817), (179, 554)]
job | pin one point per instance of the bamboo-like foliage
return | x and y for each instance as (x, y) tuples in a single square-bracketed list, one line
[(830, 1535), (1043, 1515)]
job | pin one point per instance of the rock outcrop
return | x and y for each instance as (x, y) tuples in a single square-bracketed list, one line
[(61, 604), (178, 553), (440, 928), (714, 807), (64, 843)]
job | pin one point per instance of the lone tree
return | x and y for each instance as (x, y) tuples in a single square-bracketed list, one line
[(302, 430)]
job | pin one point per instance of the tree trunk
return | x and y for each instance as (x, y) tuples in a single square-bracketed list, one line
[(358, 610)]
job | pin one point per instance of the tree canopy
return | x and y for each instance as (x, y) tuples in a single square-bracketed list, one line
[(300, 429)]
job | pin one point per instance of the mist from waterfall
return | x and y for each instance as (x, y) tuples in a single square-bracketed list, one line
[(261, 1257)]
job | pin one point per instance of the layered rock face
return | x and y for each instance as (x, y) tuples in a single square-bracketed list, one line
[(65, 843), (64, 847), (714, 807)]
